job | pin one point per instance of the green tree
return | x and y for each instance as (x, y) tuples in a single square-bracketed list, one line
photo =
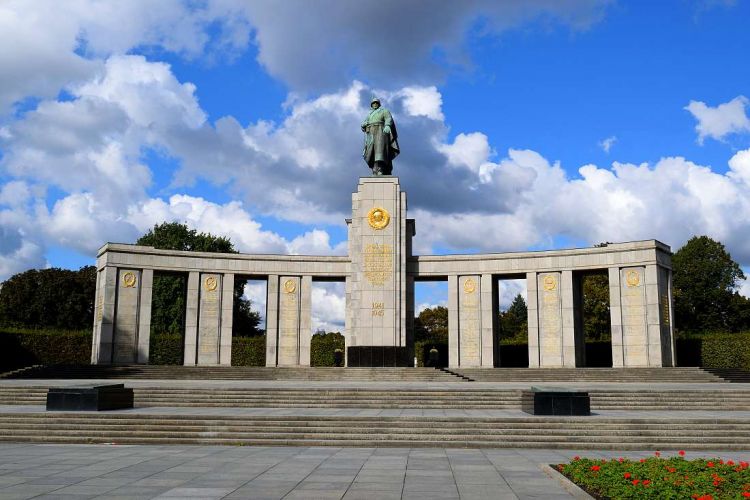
[(705, 281), (432, 324), (513, 322), (596, 317), (169, 290), (49, 298)]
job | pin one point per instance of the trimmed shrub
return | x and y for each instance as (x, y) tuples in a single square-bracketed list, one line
[(715, 350), (726, 351), (166, 349), (322, 347), (249, 351), (422, 352), (21, 347)]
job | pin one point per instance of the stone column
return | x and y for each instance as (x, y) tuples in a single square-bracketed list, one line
[(488, 319), (409, 309), (289, 321), (659, 317), (532, 319), (272, 320), (144, 316), (305, 321), (572, 340), (227, 320), (469, 321), (209, 318), (191, 319), (550, 306), (104, 317), (615, 314), (126, 316), (453, 333), (633, 312)]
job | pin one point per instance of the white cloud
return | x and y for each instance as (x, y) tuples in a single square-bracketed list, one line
[(744, 286), (508, 290), (721, 121), (328, 307), (57, 44), (606, 144)]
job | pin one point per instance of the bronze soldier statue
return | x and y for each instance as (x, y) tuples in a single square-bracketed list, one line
[(381, 139)]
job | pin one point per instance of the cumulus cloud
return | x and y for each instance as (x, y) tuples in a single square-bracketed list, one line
[(328, 307), (59, 44), (720, 121)]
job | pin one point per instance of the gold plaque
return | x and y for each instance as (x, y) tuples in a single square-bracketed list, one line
[(470, 285), (129, 280), (211, 284), (290, 286), (550, 283), (378, 218), (632, 278), (378, 263)]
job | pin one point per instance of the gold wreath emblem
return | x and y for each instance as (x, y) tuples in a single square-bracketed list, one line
[(470, 285), (549, 282), (290, 286), (129, 280), (632, 278), (211, 284), (378, 218)]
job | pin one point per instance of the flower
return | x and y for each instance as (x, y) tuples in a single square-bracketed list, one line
[(627, 475), (746, 494), (620, 459), (657, 453), (643, 460), (576, 458), (710, 465), (681, 453), (595, 468), (636, 481), (646, 482)]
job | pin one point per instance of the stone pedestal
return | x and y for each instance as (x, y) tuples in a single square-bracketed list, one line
[(379, 240)]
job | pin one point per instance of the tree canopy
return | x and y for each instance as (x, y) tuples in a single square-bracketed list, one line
[(169, 290), (705, 282), (49, 298), (432, 324)]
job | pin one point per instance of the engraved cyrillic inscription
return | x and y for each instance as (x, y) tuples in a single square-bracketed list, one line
[(378, 263)]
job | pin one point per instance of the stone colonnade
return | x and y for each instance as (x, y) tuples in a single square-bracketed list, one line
[(640, 302)]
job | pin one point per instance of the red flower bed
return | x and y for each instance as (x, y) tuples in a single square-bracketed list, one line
[(658, 477)]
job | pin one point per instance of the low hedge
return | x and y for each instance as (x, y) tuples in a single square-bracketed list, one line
[(322, 347), (21, 347), (166, 349), (249, 351), (715, 350)]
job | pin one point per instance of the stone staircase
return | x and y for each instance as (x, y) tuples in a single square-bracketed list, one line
[(466, 398), (616, 375), (402, 431), (156, 372)]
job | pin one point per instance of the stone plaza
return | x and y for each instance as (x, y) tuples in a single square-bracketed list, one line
[(379, 273)]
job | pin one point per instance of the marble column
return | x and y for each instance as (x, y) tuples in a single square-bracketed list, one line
[(272, 320), (144, 316), (532, 319), (550, 309), (227, 320)]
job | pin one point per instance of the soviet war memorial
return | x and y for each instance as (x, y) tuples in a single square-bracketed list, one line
[(346, 250)]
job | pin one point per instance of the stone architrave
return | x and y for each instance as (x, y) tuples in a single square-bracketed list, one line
[(125, 343), (378, 247)]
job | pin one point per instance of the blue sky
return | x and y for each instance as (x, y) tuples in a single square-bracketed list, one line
[(523, 124)]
